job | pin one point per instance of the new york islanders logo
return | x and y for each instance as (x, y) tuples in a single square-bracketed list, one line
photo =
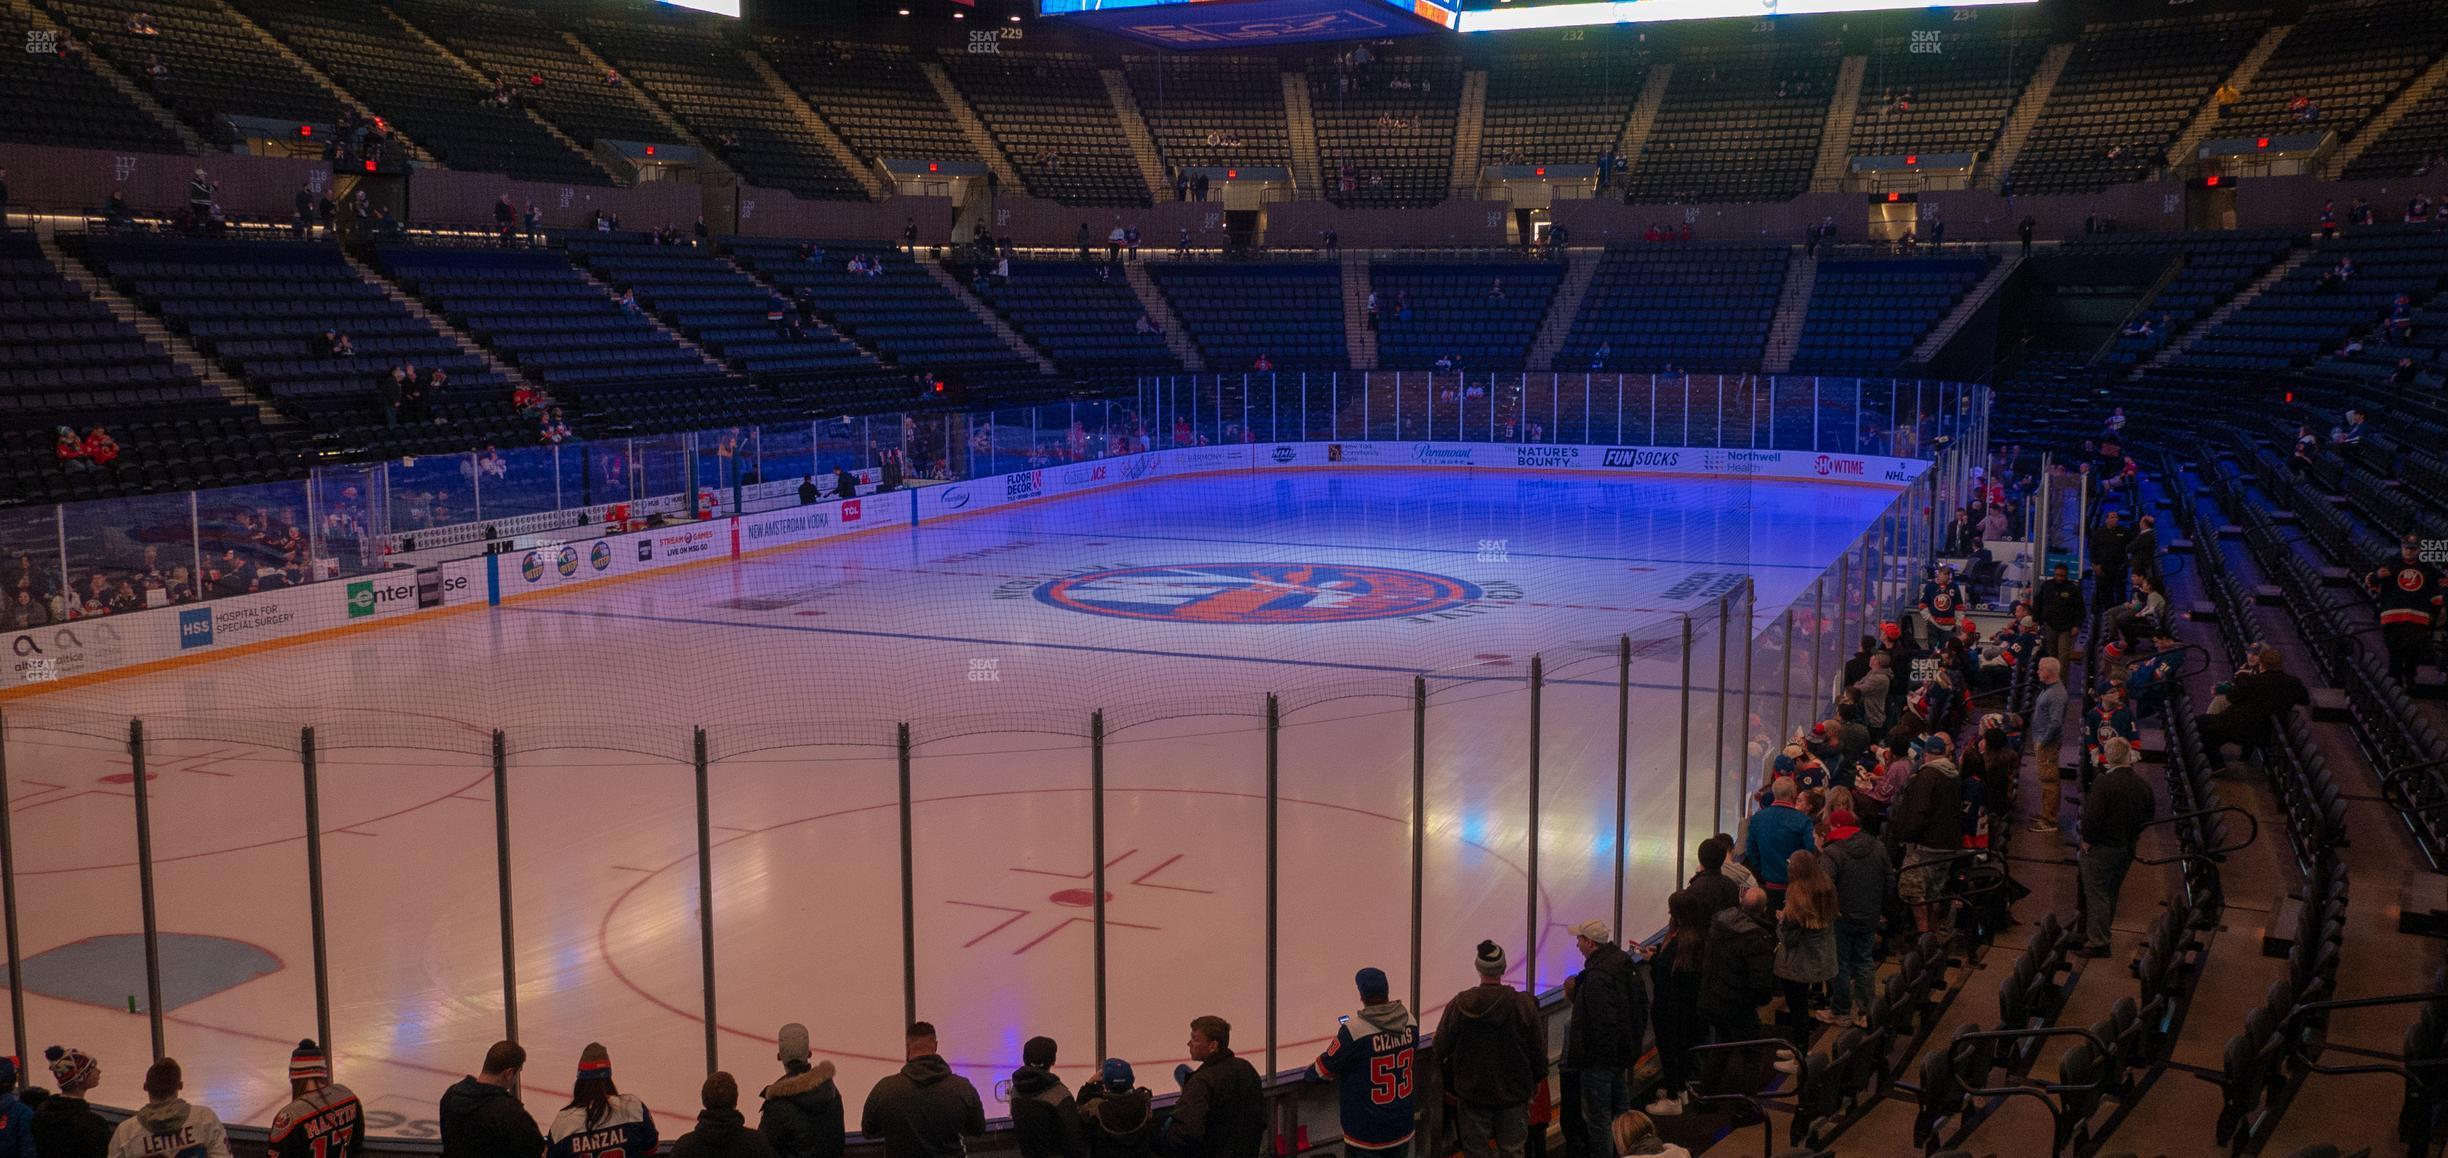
[(1258, 593)]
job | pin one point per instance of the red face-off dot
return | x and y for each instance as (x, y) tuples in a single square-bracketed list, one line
[(1078, 898)]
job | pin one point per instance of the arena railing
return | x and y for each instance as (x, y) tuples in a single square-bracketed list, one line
[(1632, 747)]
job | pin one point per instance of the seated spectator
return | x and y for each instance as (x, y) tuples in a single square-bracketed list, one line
[(555, 429), (71, 451), (24, 611)]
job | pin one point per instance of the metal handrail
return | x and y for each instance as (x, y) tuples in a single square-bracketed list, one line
[(2207, 856)]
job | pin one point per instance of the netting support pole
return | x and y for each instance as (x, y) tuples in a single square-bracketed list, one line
[(909, 882), (144, 887), (314, 886), (1538, 684), (1419, 874), (16, 957), (1274, 811), (1725, 627), (501, 873), (1623, 763), (1844, 606), (1818, 669), (1785, 686), (705, 899), (1683, 754), (1750, 649), (1096, 859)]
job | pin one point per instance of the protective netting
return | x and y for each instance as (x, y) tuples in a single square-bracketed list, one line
[(1576, 676)]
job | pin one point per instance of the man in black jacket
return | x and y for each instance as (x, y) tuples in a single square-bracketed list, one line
[(65, 1122), (1928, 822), (1222, 1111), (2059, 607), (1045, 1121), (1490, 1053), (1865, 878), (2108, 556), (481, 1115), (1610, 1016), (1737, 973), (2142, 553), (2261, 691), (1717, 891), (802, 1117), (925, 1110), (2113, 814)]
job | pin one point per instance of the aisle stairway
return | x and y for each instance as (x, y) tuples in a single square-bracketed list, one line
[(2027, 108), (1793, 306)]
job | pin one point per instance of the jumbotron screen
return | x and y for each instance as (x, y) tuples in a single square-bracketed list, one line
[(1223, 23), (1515, 15)]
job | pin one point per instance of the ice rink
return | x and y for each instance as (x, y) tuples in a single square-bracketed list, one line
[(1175, 607)]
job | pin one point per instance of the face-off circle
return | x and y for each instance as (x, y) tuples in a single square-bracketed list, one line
[(1257, 593)]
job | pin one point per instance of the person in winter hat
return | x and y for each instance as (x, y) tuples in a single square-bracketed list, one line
[(721, 1132), (16, 1118), (323, 1118), (64, 1126), (924, 1110), (1928, 822), (1491, 1054), (481, 1114), (599, 1117), (1865, 878), (167, 1124), (1371, 1047), (1045, 1119), (802, 1117), (1117, 1114)]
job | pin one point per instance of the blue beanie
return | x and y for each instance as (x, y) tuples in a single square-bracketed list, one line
[(1118, 1076), (1372, 982)]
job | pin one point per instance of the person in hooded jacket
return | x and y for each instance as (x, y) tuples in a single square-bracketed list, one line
[(1370, 1062), (1491, 1054), (802, 1117), (481, 1115), (925, 1110), (168, 1124), (1045, 1121), (1610, 1017), (599, 1117), (1737, 973), (65, 1126), (721, 1130), (1117, 1114)]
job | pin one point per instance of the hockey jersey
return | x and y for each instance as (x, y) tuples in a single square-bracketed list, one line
[(1370, 1063), (172, 1129), (2409, 593), (626, 1130), (322, 1123), (1942, 601)]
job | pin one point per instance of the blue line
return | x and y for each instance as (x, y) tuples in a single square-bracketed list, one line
[(925, 638), (1018, 532)]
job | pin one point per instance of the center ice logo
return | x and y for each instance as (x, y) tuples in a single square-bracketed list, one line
[(1257, 593)]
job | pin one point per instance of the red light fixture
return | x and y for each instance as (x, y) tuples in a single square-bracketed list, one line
[(1232, 174), (1912, 158), (369, 166), (1541, 171), (2210, 182), (305, 130), (1894, 197), (650, 150), (2262, 143), (933, 167)]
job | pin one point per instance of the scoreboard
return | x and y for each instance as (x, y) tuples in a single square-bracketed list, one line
[(1228, 23), (1515, 15)]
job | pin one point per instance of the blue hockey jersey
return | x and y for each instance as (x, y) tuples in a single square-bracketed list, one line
[(1370, 1064), (626, 1130)]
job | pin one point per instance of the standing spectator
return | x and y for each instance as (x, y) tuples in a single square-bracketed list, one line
[(1045, 1121), (200, 190), (1806, 946), (2142, 552), (65, 1126), (505, 219), (1864, 877), (1858, 665), (2047, 739), (1370, 1062), (599, 1117), (1113, 244), (2024, 230), (2059, 607), (1491, 1055), (534, 222), (2261, 691), (1610, 1017), (924, 1110), (168, 1124), (301, 224), (1774, 834), (2410, 594), (2108, 556), (323, 1118), (1714, 889), (1875, 689), (909, 237), (1674, 971), (1928, 823), (1117, 1115), (1222, 1111), (2113, 813), (802, 1115), (722, 1132), (481, 1115), (1738, 973)]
